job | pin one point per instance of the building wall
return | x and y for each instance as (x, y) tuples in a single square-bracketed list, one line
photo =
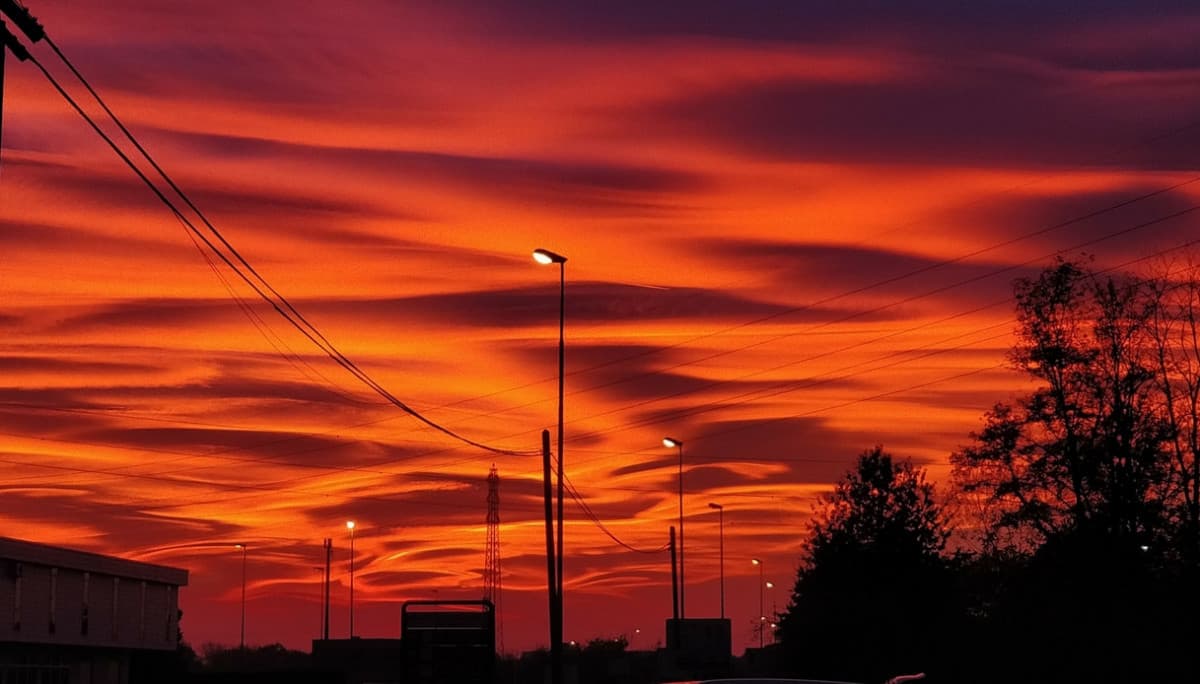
[(45, 664), (55, 596)]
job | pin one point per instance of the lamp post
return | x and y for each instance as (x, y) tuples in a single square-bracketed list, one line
[(761, 617), (774, 607), (242, 640), (721, 537), (670, 443), (350, 526), (546, 257)]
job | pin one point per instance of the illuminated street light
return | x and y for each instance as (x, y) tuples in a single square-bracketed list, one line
[(774, 609), (546, 257), (762, 618), (672, 443)]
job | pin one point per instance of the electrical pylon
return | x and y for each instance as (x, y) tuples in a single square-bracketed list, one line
[(492, 585)]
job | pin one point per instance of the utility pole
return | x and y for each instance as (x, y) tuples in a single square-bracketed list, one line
[(493, 584), (674, 589), (551, 581), (33, 31), (325, 596), (10, 42)]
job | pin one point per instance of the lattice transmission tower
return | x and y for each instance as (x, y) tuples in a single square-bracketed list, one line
[(492, 585)]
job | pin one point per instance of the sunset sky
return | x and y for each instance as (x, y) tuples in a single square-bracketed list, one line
[(792, 232)]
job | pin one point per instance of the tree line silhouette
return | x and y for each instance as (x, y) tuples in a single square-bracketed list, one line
[(1066, 545)]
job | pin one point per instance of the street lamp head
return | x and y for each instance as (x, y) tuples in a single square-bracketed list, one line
[(349, 524), (716, 507), (545, 256), (756, 561), (770, 584), (240, 546), (671, 443)]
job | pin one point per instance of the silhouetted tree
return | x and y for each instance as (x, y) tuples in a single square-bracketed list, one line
[(873, 595), (606, 646), (1085, 449), (271, 657), (1086, 476), (1174, 306)]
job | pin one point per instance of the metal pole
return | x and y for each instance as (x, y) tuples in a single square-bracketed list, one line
[(761, 618), (774, 612), (551, 582), (721, 535), (562, 308), (243, 639), (674, 578), (543, 256), (351, 582), (328, 561), (682, 583)]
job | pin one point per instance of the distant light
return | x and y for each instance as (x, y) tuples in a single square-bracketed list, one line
[(770, 584), (349, 524), (671, 443), (239, 546), (545, 256), (1145, 547), (756, 561)]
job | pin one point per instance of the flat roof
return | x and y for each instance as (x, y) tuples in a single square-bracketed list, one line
[(56, 556)]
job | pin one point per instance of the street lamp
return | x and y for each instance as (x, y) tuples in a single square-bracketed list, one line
[(546, 257), (761, 617), (242, 641), (670, 443), (774, 610), (350, 526), (721, 536)]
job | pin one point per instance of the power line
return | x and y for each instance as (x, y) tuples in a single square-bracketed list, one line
[(274, 486), (595, 519), (591, 515), (858, 314), (715, 383), (331, 351), (281, 305), (784, 388)]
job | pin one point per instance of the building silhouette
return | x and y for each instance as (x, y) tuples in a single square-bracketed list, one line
[(69, 616)]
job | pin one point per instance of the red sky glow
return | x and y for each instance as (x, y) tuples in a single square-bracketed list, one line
[(792, 232)]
